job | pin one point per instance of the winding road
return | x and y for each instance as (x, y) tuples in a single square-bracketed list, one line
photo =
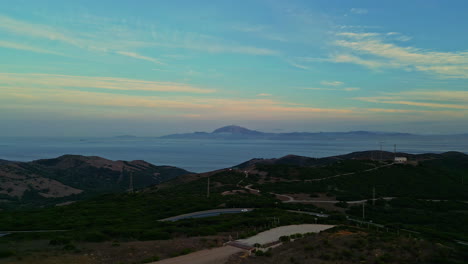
[(291, 199)]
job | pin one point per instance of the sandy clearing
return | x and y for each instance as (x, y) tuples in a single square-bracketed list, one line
[(207, 256), (274, 234)]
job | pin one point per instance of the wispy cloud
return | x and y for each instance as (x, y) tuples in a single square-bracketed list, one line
[(347, 89), (36, 30), (150, 106), (109, 83), (297, 65), (19, 46), (357, 35), (110, 39), (359, 11), (138, 56), (347, 58), (423, 98), (332, 83), (248, 28), (384, 54), (264, 94)]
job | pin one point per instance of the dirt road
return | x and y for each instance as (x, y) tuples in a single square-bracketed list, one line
[(274, 234), (207, 256)]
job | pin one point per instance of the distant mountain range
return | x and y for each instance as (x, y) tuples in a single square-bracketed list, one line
[(237, 132)]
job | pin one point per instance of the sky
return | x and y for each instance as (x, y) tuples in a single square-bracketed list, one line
[(149, 68)]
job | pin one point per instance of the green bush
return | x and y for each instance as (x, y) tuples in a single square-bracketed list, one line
[(5, 253), (150, 259), (154, 235), (94, 236)]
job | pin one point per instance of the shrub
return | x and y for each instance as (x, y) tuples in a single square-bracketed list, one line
[(95, 236), (150, 259), (154, 235), (5, 253)]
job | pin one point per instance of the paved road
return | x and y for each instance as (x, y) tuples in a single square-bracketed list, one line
[(207, 256), (309, 213), (334, 201), (208, 213)]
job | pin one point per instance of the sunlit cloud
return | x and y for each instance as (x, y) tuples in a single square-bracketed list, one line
[(106, 38), (441, 64), (19, 46), (195, 106), (347, 89), (297, 65), (421, 98), (109, 83), (138, 56), (332, 83)]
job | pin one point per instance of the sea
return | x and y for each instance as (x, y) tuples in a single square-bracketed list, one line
[(208, 154)]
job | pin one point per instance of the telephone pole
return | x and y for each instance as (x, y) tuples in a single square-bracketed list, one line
[(373, 196), (130, 187), (381, 150), (363, 210), (208, 188)]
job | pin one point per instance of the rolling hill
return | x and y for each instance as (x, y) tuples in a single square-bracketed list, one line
[(72, 177)]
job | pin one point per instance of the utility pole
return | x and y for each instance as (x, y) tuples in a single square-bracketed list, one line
[(373, 196), (381, 150), (208, 188), (363, 210), (130, 187)]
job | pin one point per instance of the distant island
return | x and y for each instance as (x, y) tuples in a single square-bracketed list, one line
[(238, 132)]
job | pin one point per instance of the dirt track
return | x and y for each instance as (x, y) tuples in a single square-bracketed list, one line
[(207, 256), (275, 233)]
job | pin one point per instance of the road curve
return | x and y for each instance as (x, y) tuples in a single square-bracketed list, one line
[(208, 213)]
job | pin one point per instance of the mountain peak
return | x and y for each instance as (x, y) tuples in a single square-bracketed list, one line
[(233, 129)]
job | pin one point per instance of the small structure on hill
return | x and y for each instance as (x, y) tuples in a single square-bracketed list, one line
[(401, 160)]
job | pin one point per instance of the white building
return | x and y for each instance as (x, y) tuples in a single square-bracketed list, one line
[(401, 160)]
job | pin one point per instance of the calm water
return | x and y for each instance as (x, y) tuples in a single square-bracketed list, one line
[(207, 155)]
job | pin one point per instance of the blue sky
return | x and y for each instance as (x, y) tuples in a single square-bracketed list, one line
[(84, 68)]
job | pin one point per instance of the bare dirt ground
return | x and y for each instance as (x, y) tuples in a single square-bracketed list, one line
[(40, 252), (207, 256), (274, 234)]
